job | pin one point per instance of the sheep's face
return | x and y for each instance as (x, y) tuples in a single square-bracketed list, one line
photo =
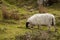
[(28, 25)]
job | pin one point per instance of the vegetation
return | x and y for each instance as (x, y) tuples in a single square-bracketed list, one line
[(11, 29)]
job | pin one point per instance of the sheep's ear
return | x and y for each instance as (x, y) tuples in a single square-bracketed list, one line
[(27, 24)]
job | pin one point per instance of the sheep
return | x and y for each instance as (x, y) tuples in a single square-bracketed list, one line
[(41, 19)]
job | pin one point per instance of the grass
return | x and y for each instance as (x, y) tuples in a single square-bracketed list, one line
[(8, 30)]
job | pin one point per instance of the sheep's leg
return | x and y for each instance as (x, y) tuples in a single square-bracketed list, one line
[(32, 26), (49, 26), (55, 28), (39, 27)]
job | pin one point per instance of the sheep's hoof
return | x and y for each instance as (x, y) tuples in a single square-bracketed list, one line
[(28, 28), (49, 31), (56, 30), (31, 27)]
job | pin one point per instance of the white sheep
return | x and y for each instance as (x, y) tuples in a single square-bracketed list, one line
[(41, 19)]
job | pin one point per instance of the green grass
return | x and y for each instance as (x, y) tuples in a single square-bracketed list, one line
[(8, 30)]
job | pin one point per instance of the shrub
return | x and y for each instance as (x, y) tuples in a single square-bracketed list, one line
[(9, 15), (38, 35)]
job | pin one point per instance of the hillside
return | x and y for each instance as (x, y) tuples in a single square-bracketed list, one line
[(10, 28)]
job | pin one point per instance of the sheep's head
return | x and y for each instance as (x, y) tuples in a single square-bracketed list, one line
[(27, 24)]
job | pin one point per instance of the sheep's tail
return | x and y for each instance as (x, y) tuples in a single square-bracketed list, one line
[(27, 23), (53, 21)]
